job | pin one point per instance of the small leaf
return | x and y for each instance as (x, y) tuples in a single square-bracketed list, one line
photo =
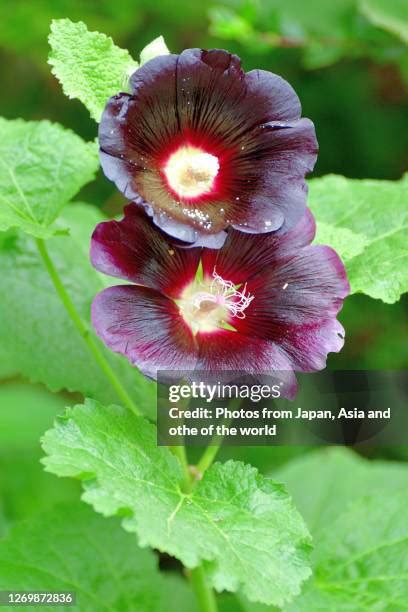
[(376, 213), (241, 525), (88, 64), (42, 166), (37, 337), (153, 49), (89, 555)]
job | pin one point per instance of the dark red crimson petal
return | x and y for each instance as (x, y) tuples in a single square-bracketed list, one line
[(235, 352), (133, 249), (295, 304), (215, 97), (272, 98), (244, 256), (297, 290), (146, 327), (250, 122), (274, 159), (138, 125)]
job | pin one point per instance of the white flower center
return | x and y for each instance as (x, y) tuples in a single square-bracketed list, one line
[(213, 304), (190, 172)]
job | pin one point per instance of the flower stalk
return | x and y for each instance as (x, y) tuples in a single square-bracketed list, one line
[(83, 328), (180, 453), (204, 593), (208, 457)]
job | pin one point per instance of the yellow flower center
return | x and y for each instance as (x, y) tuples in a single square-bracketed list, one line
[(190, 171)]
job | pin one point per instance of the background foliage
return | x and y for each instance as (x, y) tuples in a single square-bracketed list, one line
[(348, 61)]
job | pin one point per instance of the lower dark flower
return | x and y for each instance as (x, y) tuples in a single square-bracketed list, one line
[(259, 304)]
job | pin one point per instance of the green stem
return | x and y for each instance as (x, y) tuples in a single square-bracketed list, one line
[(208, 457), (211, 451), (83, 329), (180, 453), (204, 593)]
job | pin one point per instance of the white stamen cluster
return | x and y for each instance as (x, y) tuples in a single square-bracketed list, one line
[(224, 293), (211, 304)]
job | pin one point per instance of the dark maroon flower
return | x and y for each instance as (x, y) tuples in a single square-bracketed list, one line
[(259, 304), (202, 146)]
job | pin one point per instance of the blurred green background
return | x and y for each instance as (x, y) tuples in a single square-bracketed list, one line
[(347, 59)]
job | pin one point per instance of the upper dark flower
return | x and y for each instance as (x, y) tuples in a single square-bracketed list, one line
[(259, 304), (202, 145)]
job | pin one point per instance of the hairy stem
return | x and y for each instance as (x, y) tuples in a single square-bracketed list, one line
[(211, 451), (208, 457), (180, 453), (83, 329), (204, 593)]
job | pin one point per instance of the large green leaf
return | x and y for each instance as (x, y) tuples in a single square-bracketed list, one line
[(72, 549), (356, 511), (322, 486), (241, 525), (371, 218), (88, 64), (37, 337), (361, 559), (42, 166)]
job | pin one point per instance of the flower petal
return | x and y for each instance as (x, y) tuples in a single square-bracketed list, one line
[(295, 305), (270, 97), (244, 255), (275, 159), (146, 327), (133, 249)]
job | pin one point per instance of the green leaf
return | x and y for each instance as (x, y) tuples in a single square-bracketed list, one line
[(72, 549), (241, 525), (89, 65), (376, 213), (391, 16), (153, 49), (21, 402), (42, 166), (321, 485), (24, 486), (356, 510), (341, 239), (37, 337), (361, 559)]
